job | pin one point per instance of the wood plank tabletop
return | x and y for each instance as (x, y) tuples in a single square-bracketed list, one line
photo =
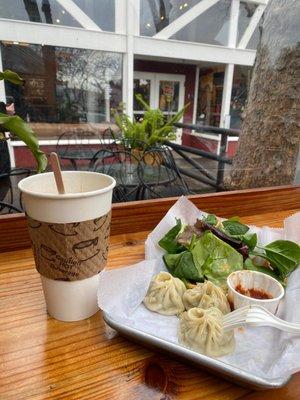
[(41, 358)]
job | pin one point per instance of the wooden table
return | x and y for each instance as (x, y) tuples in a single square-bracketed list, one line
[(41, 358)]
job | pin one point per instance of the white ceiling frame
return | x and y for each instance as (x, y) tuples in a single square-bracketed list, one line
[(263, 2), (185, 19), (64, 36), (254, 21), (180, 50), (76, 12)]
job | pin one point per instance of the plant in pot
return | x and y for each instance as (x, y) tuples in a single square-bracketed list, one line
[(143, 137), (16, 126)]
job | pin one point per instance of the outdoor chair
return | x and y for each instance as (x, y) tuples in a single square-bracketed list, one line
[(125, 167), (7, 208), (160, 176), (78, 147)]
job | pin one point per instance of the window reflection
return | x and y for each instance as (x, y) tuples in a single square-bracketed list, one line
[(63, 84), (211, 82), (43, 11), (102, 12)]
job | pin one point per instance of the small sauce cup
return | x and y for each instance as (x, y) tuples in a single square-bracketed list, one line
[(252, 281)]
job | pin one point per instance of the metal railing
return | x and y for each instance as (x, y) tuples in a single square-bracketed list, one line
[(205, 176)]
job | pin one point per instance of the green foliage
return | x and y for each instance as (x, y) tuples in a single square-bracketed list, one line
[(169, 243), (11, 77), (153, 129), (211, 219), (233, 227), (18, 127), (284, 256), (22, 130)]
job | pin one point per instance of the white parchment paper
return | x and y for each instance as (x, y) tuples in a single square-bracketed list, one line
[(265, 352)]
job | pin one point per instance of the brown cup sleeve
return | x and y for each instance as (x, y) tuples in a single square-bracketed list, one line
[(70, 251)]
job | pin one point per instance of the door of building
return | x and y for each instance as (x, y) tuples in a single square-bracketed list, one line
[(163, 91)]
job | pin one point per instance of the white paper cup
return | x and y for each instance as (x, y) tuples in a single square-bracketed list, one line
[(254, 280), (88, 196)]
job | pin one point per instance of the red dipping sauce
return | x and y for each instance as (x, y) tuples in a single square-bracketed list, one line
[(253, 293)]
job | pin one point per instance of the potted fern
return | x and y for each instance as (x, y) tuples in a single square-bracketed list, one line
[(148, 133)]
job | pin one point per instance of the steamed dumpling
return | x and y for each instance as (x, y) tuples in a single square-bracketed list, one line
[(165, 294), (202, 330), (206, 295)]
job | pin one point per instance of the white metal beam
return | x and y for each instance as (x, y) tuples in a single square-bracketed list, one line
[(2, 86), (229, 70), (128, 59), (185, 19), (78, 14), (46, 34), (175, 49), (251, 26), (226, 97), (120, 16), (264, 2), (233, 23), (196, 90)]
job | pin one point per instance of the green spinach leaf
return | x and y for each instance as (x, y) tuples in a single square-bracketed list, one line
[(185, 268), (220, 259), (211, 219), (170, 261), (233, 227), (284, 255), (169, 243), (249, 265), (250, 239)]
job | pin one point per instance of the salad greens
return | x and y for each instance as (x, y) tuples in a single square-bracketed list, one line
[(211, 249)]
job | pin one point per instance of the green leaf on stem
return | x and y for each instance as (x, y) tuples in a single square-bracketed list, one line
[(12, 77), (233, 227), (18, 127), (284, 255)]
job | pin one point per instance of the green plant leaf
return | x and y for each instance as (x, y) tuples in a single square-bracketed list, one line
[(221, 259), (284, 255), (168, 242), (249, 265), (211, 219), (185, 268), (12, 77), (23, 131), (233, 227), (170, 261), (250, 239)]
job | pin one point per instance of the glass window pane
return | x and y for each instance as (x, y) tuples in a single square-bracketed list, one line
[(142, 87), (168, 96), (102, 12), (155, 15), (63, 85), (240, 88), (210, 27), (43, 11)]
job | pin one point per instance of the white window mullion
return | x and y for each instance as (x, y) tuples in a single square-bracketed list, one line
[(120, 16), (229, 70)]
